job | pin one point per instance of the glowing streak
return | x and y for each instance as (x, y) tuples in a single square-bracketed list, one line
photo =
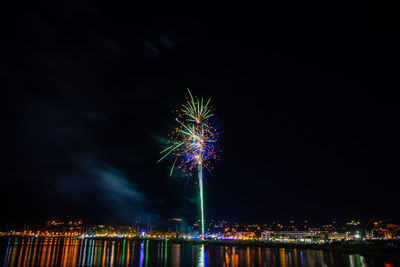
[(200, 170), (165, 252), (147, 253), (8, 247), (169, 152), (123, 252), (141, 254)]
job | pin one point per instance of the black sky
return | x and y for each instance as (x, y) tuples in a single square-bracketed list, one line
[(306, 94)]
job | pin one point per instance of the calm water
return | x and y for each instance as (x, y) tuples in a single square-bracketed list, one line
[(75, 252)]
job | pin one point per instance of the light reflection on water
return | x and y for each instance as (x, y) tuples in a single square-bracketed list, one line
[(144, 253)]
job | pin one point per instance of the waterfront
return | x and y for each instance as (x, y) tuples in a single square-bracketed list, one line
[(128, 252)]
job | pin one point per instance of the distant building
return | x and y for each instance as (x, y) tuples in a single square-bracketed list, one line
[(245, 235), (305, 236)]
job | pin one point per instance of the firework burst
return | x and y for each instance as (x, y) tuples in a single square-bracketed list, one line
[(193, 144), (195, 139)]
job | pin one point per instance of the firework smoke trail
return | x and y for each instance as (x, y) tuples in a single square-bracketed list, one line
[(193, 143)]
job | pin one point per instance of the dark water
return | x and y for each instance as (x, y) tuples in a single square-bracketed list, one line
[(75, 252)]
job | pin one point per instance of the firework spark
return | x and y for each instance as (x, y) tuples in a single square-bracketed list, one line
[(193, 144)]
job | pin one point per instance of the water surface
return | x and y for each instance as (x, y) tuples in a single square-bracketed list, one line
[(143, 253)]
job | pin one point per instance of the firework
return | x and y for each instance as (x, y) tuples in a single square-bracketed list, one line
[(193, 144)]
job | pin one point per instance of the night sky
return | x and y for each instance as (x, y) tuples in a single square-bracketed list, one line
[(306, 95)]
